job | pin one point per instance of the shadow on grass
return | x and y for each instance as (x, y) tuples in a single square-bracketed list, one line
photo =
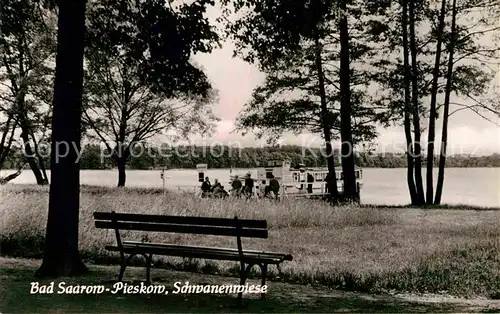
[(466, 272), (16, 278)]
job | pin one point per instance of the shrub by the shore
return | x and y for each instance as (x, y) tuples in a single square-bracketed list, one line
[(352, 248)]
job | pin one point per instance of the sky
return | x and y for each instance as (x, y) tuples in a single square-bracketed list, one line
[(235, 80)]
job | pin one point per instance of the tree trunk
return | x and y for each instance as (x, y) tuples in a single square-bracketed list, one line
[(43, 170), (30, 156), (347, 148), (330, 159), (122, 177), (415, 104), (41, 162), (332, 183), (12, 176), (61, 256), (7, 138), (432, 114), (444, 135), (122, 148), (407, 106)]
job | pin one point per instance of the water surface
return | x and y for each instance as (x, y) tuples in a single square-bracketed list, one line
[(473, 186)]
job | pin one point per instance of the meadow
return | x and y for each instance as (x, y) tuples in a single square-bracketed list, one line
[(369, 249)]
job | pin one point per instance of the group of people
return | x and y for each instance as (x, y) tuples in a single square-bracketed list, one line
[(238, 189), (215, 190)]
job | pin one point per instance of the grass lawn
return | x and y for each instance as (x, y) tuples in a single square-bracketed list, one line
[(16, 276), (363, 249)]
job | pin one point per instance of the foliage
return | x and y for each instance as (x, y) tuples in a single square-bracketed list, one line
[(280, 37), (474, 45), (157, 38), (140, 79), (473, 71), (27, 38), (288, 100)]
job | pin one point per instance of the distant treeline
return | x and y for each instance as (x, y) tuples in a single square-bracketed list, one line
[(93, 157)]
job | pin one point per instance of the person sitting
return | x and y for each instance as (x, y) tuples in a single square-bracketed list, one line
[(218, 190), (221, 193), (248, 189), (216, 187), (274, 187), (206, 186), (262, 188), (236, 186)]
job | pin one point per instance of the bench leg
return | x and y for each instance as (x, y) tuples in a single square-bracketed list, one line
[(149, 261), (122, 271), (124, 262), (263, 269), (123, 266), (243, 277)]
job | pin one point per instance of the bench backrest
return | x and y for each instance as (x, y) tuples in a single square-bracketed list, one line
[(235, 227)]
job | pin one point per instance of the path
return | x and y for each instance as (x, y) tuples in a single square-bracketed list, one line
[(17, 274)]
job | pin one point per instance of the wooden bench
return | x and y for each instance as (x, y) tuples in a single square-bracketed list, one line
[(238, 228)]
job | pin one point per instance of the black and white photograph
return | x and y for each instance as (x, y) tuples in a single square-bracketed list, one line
[(249, 156)]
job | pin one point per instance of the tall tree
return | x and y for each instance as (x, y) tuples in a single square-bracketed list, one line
[(303, 96), (298, 46), (410, 168), (471, 69), (471, 78), (433, 107), (446, 113), (128, 99), (28, 41), (420, 197), (325, 119), (61, 256), (271, 36), (347, 149)]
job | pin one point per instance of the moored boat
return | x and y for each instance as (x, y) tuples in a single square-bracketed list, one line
[(294, 181)]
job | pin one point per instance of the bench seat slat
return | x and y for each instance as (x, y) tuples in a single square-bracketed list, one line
[(195, 253), (177, 228), (287, 257), (182, 220), (197, 249), (176, 253)]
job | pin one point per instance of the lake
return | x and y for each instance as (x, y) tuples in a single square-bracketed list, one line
[(473, 186)]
